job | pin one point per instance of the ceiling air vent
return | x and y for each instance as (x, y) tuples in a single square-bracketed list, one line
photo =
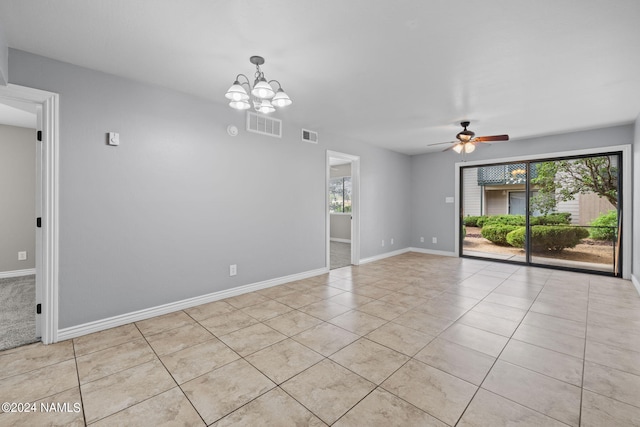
[(264, 125), (310, 136)]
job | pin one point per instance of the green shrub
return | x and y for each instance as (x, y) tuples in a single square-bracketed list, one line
[(548, 237), (609, 222), (481, 220), (552, 219), (516, 238), (472, 221), (497, 233), (464, 231), (518, 220)]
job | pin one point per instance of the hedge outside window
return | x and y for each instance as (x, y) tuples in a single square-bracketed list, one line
[(340, 194)]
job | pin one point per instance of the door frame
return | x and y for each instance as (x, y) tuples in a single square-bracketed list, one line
[(47, 262), (627, 197), (355, 206)]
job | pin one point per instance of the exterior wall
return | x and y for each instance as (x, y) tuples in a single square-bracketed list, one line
[(497, 203), (573, 207), (472, 196), (591, 206)]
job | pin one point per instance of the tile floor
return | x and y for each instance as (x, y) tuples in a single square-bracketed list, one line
[(409, 340)]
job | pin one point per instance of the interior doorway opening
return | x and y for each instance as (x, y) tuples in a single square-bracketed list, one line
[(46, 105), (19, 179), (342, 210)]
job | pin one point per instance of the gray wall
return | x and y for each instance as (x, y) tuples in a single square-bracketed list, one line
[(17, 197), (340, 226), (160, 218), (4, 58), (433, 175)]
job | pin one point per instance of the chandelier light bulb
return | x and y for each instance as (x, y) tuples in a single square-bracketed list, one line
[(263, 90), (266, 107), (458, 148), (236, 92), (281, 99), (469, 147), (240, 105)]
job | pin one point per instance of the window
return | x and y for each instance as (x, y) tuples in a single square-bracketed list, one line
[(340, 194)]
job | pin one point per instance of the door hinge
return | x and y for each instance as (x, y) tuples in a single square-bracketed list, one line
[(39, 222), (39, 135), (38, 308)]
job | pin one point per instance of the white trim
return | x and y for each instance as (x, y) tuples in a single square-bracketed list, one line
[(47, 273), (384, 255), (336, 239), (135, 316), (355, 206), (433, 252), (17, 273), (635, 282), (626, 191)]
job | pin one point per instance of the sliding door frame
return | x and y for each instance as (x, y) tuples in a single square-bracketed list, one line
[(626, 199)]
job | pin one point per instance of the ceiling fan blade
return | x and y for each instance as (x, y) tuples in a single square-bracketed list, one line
[(492, 138), (440, 143)]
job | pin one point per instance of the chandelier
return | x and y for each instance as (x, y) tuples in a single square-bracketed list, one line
[(263, 97)]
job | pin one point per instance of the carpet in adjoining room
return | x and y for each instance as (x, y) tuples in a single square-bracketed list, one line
[(340, 254), (17, 311)]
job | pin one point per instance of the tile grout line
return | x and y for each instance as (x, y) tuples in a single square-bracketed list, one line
[(496, 361), (75, 359)]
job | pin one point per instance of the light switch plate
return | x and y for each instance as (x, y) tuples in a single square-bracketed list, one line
[(449, 199)]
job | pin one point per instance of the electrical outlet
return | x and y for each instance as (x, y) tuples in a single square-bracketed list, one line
[(22, 255), (382, 243), (233, 270), (421, 239), (434, 240)]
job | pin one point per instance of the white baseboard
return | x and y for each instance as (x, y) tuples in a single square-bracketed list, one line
[(384, 255), (636, 282), (17, 273), (335, 239), (433, 252), (123, 319)]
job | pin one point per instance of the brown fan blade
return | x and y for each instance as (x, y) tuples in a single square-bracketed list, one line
[(440, 143), (492, 138)]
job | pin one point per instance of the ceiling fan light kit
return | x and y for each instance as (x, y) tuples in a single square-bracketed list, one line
[(467, 140), (263, 96)]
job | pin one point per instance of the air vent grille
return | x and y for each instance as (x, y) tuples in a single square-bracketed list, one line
[(264, 125), (310, 136)]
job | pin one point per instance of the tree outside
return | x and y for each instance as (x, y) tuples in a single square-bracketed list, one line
[(558, 181)]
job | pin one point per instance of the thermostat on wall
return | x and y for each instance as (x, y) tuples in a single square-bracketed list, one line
[(113, 138)]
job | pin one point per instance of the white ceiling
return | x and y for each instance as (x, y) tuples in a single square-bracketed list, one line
[(398, 74)]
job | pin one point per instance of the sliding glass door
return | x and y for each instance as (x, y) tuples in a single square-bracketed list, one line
[(560, 212)]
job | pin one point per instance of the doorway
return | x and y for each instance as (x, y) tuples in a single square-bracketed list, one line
[(18, 181), (342, 210), (46, 106)]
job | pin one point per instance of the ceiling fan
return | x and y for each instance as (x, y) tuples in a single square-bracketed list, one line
[(467, 140)]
